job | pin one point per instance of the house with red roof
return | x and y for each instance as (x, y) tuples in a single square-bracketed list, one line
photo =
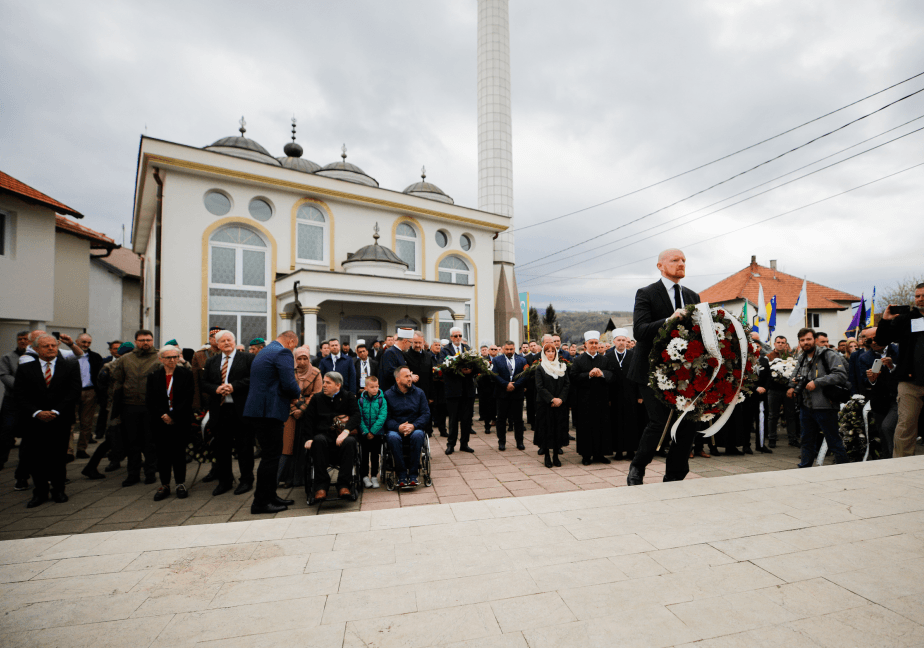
[(829, 309), (45, 257)]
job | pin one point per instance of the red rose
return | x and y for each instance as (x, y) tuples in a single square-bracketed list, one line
[(720, 313), (696, 328), (737, 374), (682, 373), (665, 356), (712, 362), (701, 382), (670, 398), (675, 333), (687, 392)]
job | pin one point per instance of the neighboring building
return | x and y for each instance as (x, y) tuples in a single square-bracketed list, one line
[(829, 309), (615, 322), (115, 296), (234, 237)]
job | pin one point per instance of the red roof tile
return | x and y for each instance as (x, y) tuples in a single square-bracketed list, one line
[(745, 285), (9, 184), (96, 239)]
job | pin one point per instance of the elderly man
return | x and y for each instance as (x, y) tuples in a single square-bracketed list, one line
[(394, 357), (90, 363), (226, 381), (341, 363), (332, 428), (272, 389), (460, 395), (130, 389), (592, 375), (8, 365), (654, 304), (624, 397), (408, 414), (45, 392)]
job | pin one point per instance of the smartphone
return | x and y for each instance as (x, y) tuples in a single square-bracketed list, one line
[(57, 334), (877, 366), (900, 310)]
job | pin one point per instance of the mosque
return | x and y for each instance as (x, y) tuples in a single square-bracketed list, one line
[(234, 236)]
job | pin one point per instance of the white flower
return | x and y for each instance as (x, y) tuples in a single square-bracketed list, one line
[(707, 416), (859, 397), (664, 384), (740, 398), (719, 328), (676, 348), (682, 403)]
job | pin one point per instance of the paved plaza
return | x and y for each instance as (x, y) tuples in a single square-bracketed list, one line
[(830, 556), (104, 505)]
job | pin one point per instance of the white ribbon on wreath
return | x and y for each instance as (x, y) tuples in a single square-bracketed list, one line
[(702, 317)]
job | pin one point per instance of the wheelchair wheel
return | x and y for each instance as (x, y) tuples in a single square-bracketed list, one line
[(427, 480)]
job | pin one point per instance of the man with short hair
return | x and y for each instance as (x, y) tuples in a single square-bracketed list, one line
[(819, 367), (113, 351), (376, 352), (342, 364), (533, 355), (130, 382), (420, 362), (323, 352), (524, 349), (460, 395), (227, 382), (880, 388), (842, 347), (8, 430), (408, 414), (907, 330), (821, 340), (346, 351), (438, 408), (776, 399), (332, 425), (90, 363), (394, 357), (508, 394), (364, 366), (565, 354)]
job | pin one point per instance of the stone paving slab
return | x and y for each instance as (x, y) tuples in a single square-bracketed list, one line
[(711, 563), (103, 505)]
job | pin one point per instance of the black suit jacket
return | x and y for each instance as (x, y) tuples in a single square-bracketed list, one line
[(182, 391), (30, 394), (238, 378), (652, 307), (373, 370), (457, 386)]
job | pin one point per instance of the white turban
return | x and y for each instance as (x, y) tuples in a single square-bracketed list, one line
[(591, 335), (620, 331), (405, 334)]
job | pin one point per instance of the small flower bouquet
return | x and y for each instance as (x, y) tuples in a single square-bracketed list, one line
[(529, 370), (853, 430), (782, 369)]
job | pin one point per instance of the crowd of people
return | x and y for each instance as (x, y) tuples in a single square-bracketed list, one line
[(159, 409)]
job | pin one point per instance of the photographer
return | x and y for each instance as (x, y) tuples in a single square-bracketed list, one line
[(905, 325), (820, 372)]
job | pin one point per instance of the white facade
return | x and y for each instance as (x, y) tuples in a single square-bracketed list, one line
[(238, 270)]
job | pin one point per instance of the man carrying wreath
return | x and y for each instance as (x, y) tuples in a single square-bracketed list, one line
[(654, 304)]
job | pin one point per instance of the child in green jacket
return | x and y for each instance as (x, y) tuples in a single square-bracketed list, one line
[(373, 411)]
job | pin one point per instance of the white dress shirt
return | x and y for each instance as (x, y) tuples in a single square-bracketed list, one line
[(85, 380), (364, 370), (45, 364), (228, 398), (669, 287)]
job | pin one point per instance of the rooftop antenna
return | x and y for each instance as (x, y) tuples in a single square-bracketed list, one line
[(123, 234)]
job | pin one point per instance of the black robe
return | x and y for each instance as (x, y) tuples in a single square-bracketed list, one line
[(624, 395), (551, 423), (591, 403)]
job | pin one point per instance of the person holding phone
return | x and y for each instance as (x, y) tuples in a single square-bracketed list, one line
[(904, 325)]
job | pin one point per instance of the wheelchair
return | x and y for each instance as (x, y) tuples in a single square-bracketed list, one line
[(356, 482), (390, 475)]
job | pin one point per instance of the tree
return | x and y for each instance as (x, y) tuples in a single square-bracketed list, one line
[(550, 321), (534, 326), (900, 293)]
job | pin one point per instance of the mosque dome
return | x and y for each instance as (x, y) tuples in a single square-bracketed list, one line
[(375, 259), (293, 156), (242, 147), (343, 170), (428, 190)]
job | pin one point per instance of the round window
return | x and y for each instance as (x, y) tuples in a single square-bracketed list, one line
[(217, 203), (466, 242), (442, 239), (260, 209)]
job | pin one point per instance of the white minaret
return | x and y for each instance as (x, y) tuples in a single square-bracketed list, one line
[(495, 156)]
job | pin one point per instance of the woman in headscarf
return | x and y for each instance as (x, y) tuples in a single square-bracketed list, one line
[(552, 385), (292, 460)]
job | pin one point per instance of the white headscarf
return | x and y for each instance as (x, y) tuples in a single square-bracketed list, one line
[(556, 369)]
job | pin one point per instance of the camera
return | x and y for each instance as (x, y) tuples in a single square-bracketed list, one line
[(800, 386)]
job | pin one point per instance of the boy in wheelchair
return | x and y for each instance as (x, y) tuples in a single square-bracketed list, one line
[(408, 414), (331, 426)]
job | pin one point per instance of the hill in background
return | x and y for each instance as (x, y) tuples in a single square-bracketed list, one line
[(574, 323)]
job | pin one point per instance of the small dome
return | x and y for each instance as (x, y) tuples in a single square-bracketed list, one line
[(242, 147), (293, 156), (428, 190), (343, 170), (375, 259)]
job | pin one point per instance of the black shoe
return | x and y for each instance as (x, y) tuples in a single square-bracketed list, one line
[(540, 452), (556, 461), (212, 476), (466, 449), (795, 445), (150, 479), (763, 450), (603, 460), (449, 449), (270, 507), (82, 454), (733, 452), (113, 466), (59, 497), (243, 487), (617, 456), (570, 436), (714, 451), (635, 476), (520, 446), (131, 480), (69, 459), (502, 446), (21, 485), (444, 434), (37, 500), (161, 493), (258, 454), (548, 460), (181, 492), (747, 450), (91, 441), (92, 473), (772, 444), (221, 489), (585, 461), (283, 502)]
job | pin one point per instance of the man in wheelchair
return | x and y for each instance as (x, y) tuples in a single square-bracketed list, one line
[(331, 425), (408, 414)]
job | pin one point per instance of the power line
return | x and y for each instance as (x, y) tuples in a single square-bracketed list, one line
[(537, 264), (724, 157), (785, 213)]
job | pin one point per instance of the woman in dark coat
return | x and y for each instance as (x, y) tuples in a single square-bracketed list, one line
[(552, 384), (169, 403)]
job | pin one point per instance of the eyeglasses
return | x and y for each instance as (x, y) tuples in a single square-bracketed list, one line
[(170, 357)]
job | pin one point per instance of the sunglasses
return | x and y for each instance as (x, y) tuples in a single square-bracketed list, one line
[(170, 357)]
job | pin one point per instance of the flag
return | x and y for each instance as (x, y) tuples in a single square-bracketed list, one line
[(797, 316), (872, 308), (771, 314), (858, 319), (524, 308), (744, 312), (762, 327)]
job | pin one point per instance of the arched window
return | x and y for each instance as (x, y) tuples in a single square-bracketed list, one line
[(455, 270), (407, 247), (446, 323), (238, 289), (311, 235)]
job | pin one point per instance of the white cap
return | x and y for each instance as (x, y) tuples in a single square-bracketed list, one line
[(620, 331), (405, 334), (444, 342), (358, 342), (591, 335)]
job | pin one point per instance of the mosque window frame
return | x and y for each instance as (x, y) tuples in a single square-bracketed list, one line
[(454, 272), (466, 239), (446, 322), (447, 239), (218, 192), (416, 239), (267, 202), (325, 234)]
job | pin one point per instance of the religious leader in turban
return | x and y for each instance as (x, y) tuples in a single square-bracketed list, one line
[(591, 375)]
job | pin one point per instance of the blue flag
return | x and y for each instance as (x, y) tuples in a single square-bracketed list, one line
[(859, 319)]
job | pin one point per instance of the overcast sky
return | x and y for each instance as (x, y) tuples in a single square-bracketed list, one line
[(608, 97)]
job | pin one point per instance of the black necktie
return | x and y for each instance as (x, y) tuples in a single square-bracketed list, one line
[(678, 303)]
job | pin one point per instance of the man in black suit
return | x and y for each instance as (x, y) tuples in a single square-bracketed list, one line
[(45, 394), (226, 382), (460, 395), (394, 358), (364, 365), (420, 362), (663, 300), (508, 394)]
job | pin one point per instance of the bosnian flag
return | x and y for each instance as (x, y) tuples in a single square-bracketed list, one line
[(797, 316)]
